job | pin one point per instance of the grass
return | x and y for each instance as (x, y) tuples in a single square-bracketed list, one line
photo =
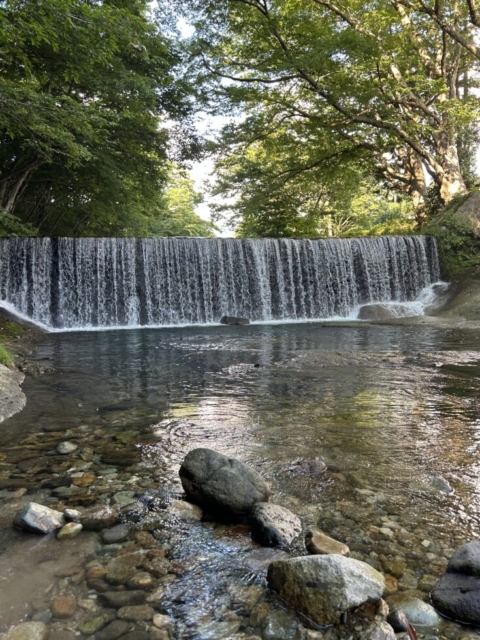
[(6, 358)]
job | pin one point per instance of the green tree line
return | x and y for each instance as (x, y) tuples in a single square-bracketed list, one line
[(87, 88), (333, 95)]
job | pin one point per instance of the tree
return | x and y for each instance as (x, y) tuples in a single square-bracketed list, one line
[(379, 81), (176, 214), (84, 85)]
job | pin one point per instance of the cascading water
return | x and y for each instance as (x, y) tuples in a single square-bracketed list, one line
[(82, 283)]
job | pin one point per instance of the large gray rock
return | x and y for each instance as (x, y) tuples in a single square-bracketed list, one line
[(223, 486), (324, 587), (39, 519), (273, 525), (457, 593), (466, 560)]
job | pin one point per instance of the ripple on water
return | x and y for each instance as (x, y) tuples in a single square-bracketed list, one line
[(389, 409)]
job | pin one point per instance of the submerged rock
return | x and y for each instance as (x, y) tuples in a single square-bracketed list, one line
[(27, 631), (39, 519), (70, 530), (67, 447), (223, 486), (417, 612), (273, 525), (324, 587), (318, 543), (99, 518), (232, 320)]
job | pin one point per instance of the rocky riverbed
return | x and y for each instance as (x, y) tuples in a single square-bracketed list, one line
[(368, 435)]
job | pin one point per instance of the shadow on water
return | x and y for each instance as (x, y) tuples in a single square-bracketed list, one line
[(394, 412)]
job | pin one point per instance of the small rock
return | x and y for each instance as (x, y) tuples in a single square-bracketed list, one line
[(142, 580), (84, 480), (185, 511), (121, 599), (99, 518), (93, 625), (318, 543), (70, 530), (114, 630), (63, 607), (162, 622), (419, 613), (441, 484), (72, 515), (137, 613), (66, 447), (27, 631), (122, 498), (39, 519), (273, 525), (116, 534)]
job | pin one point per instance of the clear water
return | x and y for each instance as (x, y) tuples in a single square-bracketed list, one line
[(389, 409)]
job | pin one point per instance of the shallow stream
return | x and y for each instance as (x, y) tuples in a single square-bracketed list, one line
[(393, 411)]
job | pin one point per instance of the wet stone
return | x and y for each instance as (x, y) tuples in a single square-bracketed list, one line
[(120, 599), (67, 447), (70, 530), (318, 543), (142, 580), (61, 634), (138, 613), (99, 518), (114, 630), (27, 631), (274, 525), (38, 519), (120, 574), (138, 634), (118, 533), (94, 624), (162, 621), (63, 607)]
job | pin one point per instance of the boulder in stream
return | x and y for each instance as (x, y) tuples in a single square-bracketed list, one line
[(457, 593), (224, 487), (324, 587), (38, 519), (273, 525), (232, 320)]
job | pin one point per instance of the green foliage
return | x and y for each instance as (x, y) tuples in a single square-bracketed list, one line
[(6, 358), (458, 245), (320, 83), (10, 225), (84, 89)]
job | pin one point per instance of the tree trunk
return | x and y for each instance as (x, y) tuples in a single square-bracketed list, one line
[(451, 182)]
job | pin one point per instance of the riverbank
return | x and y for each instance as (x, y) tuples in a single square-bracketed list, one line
[(16, 346)]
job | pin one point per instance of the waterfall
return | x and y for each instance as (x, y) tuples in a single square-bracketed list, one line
[(68, 283)]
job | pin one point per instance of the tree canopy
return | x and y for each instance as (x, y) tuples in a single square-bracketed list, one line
[(328, 88), (86, 90)]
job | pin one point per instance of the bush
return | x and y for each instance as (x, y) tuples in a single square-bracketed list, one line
[(458, 245)]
